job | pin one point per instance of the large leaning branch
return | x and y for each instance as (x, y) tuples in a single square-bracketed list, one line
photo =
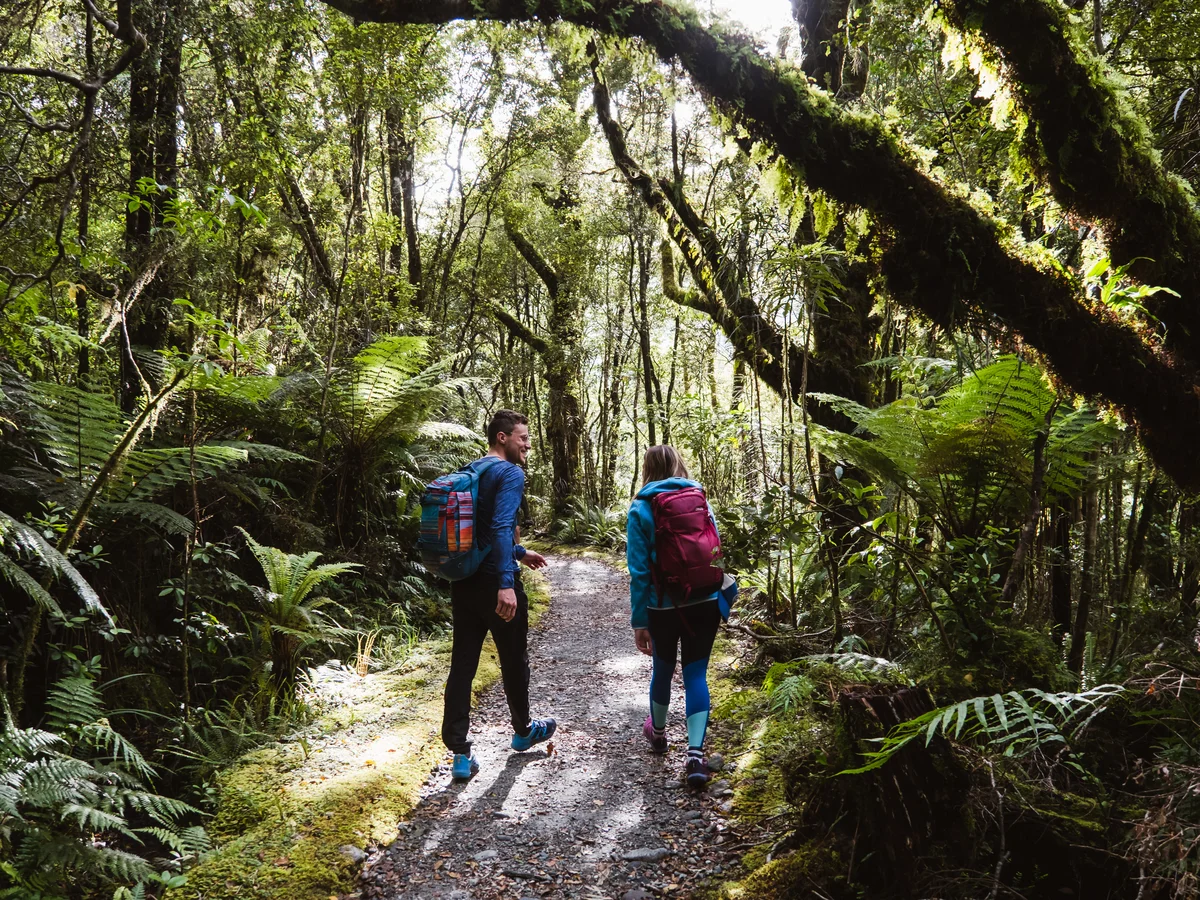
[(1096, 154), (943, 257), (536, 261)]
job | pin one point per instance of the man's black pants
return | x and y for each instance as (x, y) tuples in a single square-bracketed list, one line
[(474, 603)]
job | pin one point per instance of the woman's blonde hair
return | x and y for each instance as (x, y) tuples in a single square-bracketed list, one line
[(661, 462)]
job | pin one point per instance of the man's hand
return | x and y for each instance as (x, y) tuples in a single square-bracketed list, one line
[(533, 559), (506, 604), (641, 638)]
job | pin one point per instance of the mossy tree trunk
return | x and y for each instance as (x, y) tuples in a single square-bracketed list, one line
[(559, 352), (401, 154), (1097, 156)]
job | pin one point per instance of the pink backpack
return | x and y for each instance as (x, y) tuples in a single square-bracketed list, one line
[(686, 545)]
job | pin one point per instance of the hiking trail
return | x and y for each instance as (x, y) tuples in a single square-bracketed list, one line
[(596, 815)]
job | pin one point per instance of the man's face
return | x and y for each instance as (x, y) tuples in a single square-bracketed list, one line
[(515, 445)]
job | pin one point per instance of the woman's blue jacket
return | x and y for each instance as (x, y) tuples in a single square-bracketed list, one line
[(639, 549)]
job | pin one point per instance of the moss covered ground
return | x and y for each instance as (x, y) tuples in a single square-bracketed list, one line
[(760, 747), (286, 811)]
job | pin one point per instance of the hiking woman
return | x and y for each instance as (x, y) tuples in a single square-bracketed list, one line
[(673, 614)]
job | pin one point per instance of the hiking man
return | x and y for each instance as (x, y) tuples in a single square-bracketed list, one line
[(493, 599)]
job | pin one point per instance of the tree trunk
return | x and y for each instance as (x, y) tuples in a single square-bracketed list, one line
[(915, 799), (1087, 586), (401, 166), (559, 351), (640, 254), (1060, 574), (143, 101)]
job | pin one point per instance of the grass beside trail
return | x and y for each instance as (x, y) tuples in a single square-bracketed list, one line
[(285, 811)]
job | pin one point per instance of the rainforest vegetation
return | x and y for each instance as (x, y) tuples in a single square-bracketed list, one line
[(913, 284)]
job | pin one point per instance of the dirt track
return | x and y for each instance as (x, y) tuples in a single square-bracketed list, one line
[(563, 823)]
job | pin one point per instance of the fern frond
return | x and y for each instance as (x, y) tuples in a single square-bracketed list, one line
[(29, 586), (147, 473), (855, 412), (849, 661), (78, 429), (1015, 722), (791, 692), (99, 735), (262, 452), (156, 515), (25, 742), (89, 818), (441, 431), (51, 780), (164, 810), (72, 703), (28, 541)]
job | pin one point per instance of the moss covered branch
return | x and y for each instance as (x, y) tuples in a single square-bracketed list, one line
[(718, 295), (942, 257), (1096, 154), (519, 329)]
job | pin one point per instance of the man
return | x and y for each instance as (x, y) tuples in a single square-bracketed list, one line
[(493, 600)]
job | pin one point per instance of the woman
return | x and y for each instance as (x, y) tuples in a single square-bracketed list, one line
[(681, 623)]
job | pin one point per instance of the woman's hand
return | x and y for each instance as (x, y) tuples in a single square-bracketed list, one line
[(641, 639)]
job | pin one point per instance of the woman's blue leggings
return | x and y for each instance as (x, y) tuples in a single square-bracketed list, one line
[(691, 630)]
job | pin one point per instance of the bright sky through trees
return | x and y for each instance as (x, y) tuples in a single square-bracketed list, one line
[(763, 17)]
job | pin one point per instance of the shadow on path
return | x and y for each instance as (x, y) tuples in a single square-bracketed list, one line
[(558, 821)]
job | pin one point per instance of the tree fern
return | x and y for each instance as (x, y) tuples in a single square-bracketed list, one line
[(80, 431), (290, 617), (387, 390), (968, 458), (1015, 723)]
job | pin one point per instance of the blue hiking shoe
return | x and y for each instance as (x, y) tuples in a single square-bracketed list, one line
[(539, 730), (465, 767)]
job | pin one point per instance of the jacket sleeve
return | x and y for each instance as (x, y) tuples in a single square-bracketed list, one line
[(639, 545), (504, 522)]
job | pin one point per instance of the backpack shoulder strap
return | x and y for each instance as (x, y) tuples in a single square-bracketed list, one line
[(481, 465)]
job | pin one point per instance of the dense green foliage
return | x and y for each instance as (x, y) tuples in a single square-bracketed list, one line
[(265, 270)]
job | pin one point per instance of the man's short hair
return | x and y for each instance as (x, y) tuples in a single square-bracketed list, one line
[(504, 421)]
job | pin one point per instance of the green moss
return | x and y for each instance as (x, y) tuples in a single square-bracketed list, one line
[(281, 820), (790, 876)]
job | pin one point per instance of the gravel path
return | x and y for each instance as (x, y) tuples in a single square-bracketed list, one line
[(572, 819)]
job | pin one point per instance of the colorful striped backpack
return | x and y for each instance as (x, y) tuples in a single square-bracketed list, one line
[(447, 541)]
